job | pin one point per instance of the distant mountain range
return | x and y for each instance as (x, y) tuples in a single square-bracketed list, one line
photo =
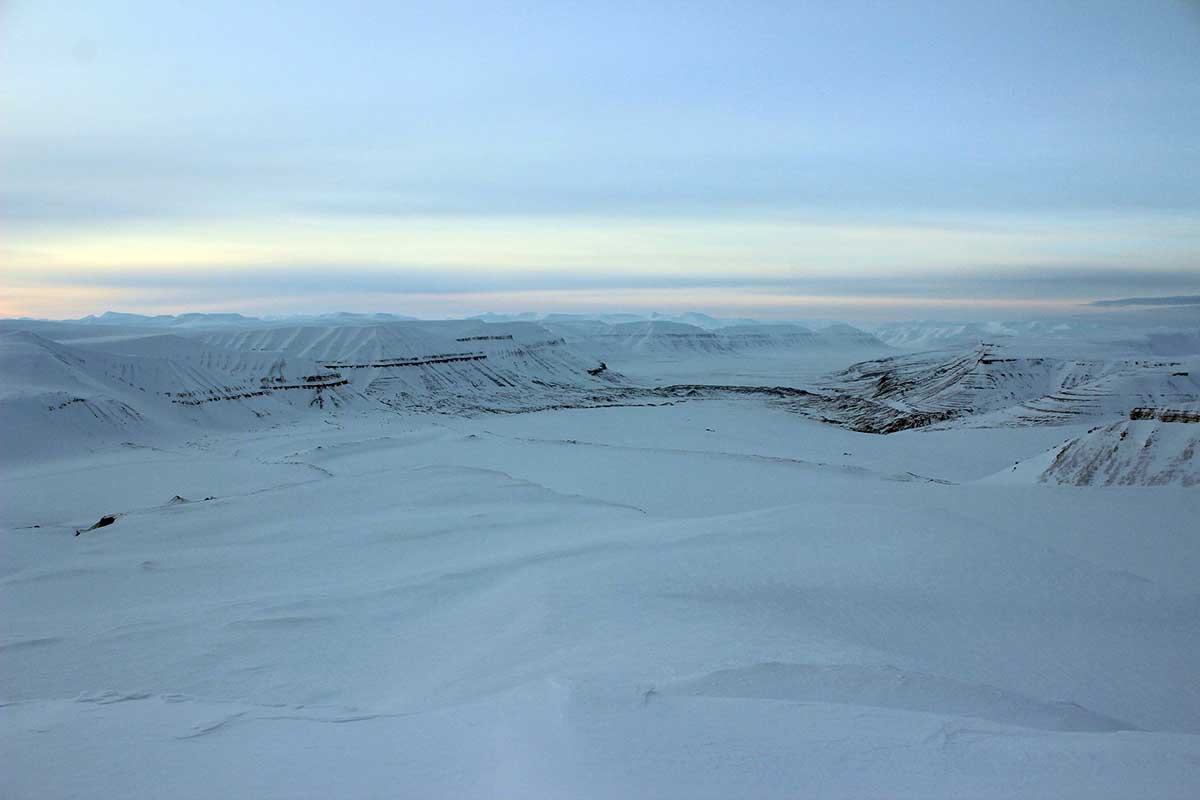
[(197, 319), (1177, 300)]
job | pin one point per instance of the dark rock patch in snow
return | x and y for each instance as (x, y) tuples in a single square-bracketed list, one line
[(103, 522)]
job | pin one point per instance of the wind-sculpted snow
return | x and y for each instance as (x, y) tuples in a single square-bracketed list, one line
[(407, 603), (468, 558), (889, 687)]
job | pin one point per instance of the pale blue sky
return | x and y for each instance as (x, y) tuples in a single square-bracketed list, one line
[(449, 157)]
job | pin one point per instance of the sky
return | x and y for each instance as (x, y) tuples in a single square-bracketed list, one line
[(771, 159)]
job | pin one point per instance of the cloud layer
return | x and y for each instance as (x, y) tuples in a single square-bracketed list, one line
[(777, 150)]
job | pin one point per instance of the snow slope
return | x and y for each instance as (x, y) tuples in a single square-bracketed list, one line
[(689, 594), (451, 365), (1133, 452), (58, 399), (995, 386), (147, 383)]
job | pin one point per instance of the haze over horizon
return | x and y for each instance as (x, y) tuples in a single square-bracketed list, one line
[(857, 159)]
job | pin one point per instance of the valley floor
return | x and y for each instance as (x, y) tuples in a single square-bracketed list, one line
[(710, 598)]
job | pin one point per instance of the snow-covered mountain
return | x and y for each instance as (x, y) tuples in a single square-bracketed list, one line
[(1156, 447), (989, 385), (119, 377), (304, 556), (1162, 331), (228, 319), (111, 387), (451, 364), (164, 320), (694, 318), (57, 398), (673, 338), (941, 335)]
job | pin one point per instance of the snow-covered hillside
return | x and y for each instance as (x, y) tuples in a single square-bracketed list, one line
[(680, 339), (59, 399), (992, 385), (1134, 333), (1160, 447), (940, 335), (243, 558), (451, 365), (109, 387)]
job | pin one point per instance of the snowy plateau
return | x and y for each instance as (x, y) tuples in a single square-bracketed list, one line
[(599, 557)]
